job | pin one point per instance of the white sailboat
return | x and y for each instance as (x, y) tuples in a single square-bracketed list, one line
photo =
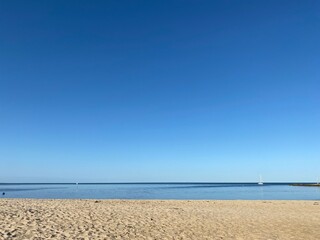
[(260, 181)]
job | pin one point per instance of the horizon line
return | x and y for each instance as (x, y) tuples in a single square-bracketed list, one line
[(84, 183)]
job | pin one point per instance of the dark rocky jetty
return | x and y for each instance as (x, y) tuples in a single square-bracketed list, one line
[(306, 184)]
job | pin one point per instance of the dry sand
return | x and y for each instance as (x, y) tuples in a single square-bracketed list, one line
[(124, 219)]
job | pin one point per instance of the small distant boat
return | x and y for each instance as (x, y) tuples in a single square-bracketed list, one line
[(260, 181)]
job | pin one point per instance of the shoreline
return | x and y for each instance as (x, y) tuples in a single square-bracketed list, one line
[(158, 219), (160, 200)]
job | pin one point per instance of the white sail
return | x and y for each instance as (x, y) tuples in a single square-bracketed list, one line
[(260, 181)]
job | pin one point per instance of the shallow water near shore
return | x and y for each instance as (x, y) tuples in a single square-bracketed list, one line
[(187, 191)]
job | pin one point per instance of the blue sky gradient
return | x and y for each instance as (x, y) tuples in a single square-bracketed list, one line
[(121, 91)]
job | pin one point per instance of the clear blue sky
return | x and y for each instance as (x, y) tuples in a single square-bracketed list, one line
[(119, 91)]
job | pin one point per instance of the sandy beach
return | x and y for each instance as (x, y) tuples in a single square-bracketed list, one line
[(155, 219)]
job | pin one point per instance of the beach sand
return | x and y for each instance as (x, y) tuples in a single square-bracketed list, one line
[(155, 219)]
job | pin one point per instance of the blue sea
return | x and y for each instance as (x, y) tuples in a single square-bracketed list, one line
[(187, 191)]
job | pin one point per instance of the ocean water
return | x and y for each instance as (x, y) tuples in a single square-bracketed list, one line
[(188, 191)]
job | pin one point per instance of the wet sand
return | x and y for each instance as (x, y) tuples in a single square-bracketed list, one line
[(155, 219)]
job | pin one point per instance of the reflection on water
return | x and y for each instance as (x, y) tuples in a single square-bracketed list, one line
[(231, 191), (27, 189)]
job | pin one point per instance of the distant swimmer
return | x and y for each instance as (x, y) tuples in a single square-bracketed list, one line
[(3, 193)]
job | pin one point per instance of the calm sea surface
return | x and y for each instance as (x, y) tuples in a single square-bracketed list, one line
[(223, 191)]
